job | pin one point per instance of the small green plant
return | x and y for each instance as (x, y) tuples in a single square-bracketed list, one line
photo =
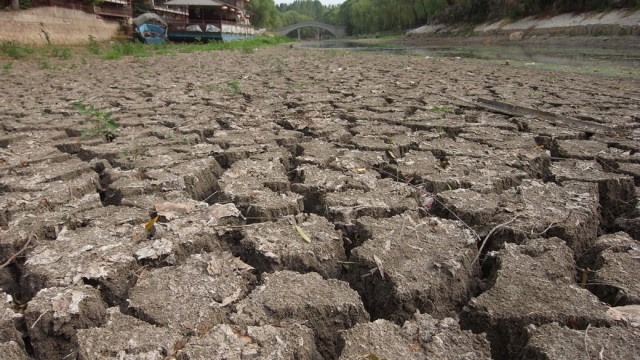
[(279, 66), (441, 109), (234, 86), (7, 66), (14, 50), (102, 122), (44, 64), (61, 53), (93, 46)]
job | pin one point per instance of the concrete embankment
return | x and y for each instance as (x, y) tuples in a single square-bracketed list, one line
[(613, 23), (61, 26)]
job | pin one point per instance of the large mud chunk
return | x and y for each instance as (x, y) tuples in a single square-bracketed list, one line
[(260, 189), (528, 211), (305, 243), (437, 175), (206, 284), (617, 192), (421, 338), (591, 149), (407, 264), (11, 323), (55, 314), (612, 265), (257, 342), (552, 341), (125, 337), (327, 306), (12, 351), (498, 138), (385, 198), (316, 152), (534, 284), (94, 255), (314, 183)]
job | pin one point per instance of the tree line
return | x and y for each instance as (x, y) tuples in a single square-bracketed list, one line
[(372, 16)]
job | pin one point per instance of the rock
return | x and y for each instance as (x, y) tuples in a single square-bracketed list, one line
[(421, 338), (616, 192), (516, 36), (612, 269), (206, 283), (11, 322), (257, 342), (12, 351), (125, 337), (55, 314), (280, 246), (327, 306), (552, 341), (528, 211), (406, 264), (531, 284)]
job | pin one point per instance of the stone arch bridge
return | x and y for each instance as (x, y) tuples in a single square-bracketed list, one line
[(337, 31)]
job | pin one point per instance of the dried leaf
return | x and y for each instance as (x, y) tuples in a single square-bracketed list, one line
[(414, 346), (302, 234), (379, 265)]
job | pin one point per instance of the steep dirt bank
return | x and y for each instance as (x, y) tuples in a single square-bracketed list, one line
[(317, 204)]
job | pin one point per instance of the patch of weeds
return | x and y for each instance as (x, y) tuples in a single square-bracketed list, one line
[(332, 52), (102, 123), (168, 135), (14, 50), (297, 84), (279, 66), (535, 94), (125, 48), (6, 67), (441, 109), (247, 49), (61, 53), (44, 64), (234, 86), (93, 46)]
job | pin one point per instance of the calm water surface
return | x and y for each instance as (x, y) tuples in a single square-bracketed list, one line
[(598, 59)]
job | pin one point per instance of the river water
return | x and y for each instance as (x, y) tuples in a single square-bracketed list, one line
[(624, 61)]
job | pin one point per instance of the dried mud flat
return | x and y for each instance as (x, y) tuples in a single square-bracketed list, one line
[(318, 205)]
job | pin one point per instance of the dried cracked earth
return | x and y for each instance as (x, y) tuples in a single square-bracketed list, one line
[(317, 205)]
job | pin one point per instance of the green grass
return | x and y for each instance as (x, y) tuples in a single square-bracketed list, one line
[(14, 50)]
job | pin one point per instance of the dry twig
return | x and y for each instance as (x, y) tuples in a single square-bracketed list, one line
[(486, 238), (23, 249)]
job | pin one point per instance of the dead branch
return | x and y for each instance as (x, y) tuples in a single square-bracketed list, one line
[(586, 344), (23, 249)]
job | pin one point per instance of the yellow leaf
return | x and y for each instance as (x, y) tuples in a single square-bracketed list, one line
[(148, 226), (302, 234)]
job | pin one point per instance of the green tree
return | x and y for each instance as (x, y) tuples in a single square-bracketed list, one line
[(265, 14)]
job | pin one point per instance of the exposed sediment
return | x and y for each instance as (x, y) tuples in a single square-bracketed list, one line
[(331, 205)]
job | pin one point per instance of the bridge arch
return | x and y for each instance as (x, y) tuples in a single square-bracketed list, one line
[(335, 30)]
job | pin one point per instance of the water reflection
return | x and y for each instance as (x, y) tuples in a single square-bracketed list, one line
[(551, 55)]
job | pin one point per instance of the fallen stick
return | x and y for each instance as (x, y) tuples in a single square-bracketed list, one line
[(24, 247), (555, 119)]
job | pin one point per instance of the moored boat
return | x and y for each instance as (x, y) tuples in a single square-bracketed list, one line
[(150, 28)]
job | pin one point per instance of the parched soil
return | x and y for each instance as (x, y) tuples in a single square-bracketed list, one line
[(317, 205)]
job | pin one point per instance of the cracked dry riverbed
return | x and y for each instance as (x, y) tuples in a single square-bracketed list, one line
[(318, 205)]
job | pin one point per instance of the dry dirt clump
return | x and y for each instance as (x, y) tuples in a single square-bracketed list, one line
[(328, 205)]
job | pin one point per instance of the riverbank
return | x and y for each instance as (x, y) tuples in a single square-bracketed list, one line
[(302, 194), (615, 28)]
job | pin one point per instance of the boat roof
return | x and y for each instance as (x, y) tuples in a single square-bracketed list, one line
[(149, 17), (195, 3)]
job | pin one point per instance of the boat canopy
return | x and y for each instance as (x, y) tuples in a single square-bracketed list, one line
[(150, 18), (195, 3)]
